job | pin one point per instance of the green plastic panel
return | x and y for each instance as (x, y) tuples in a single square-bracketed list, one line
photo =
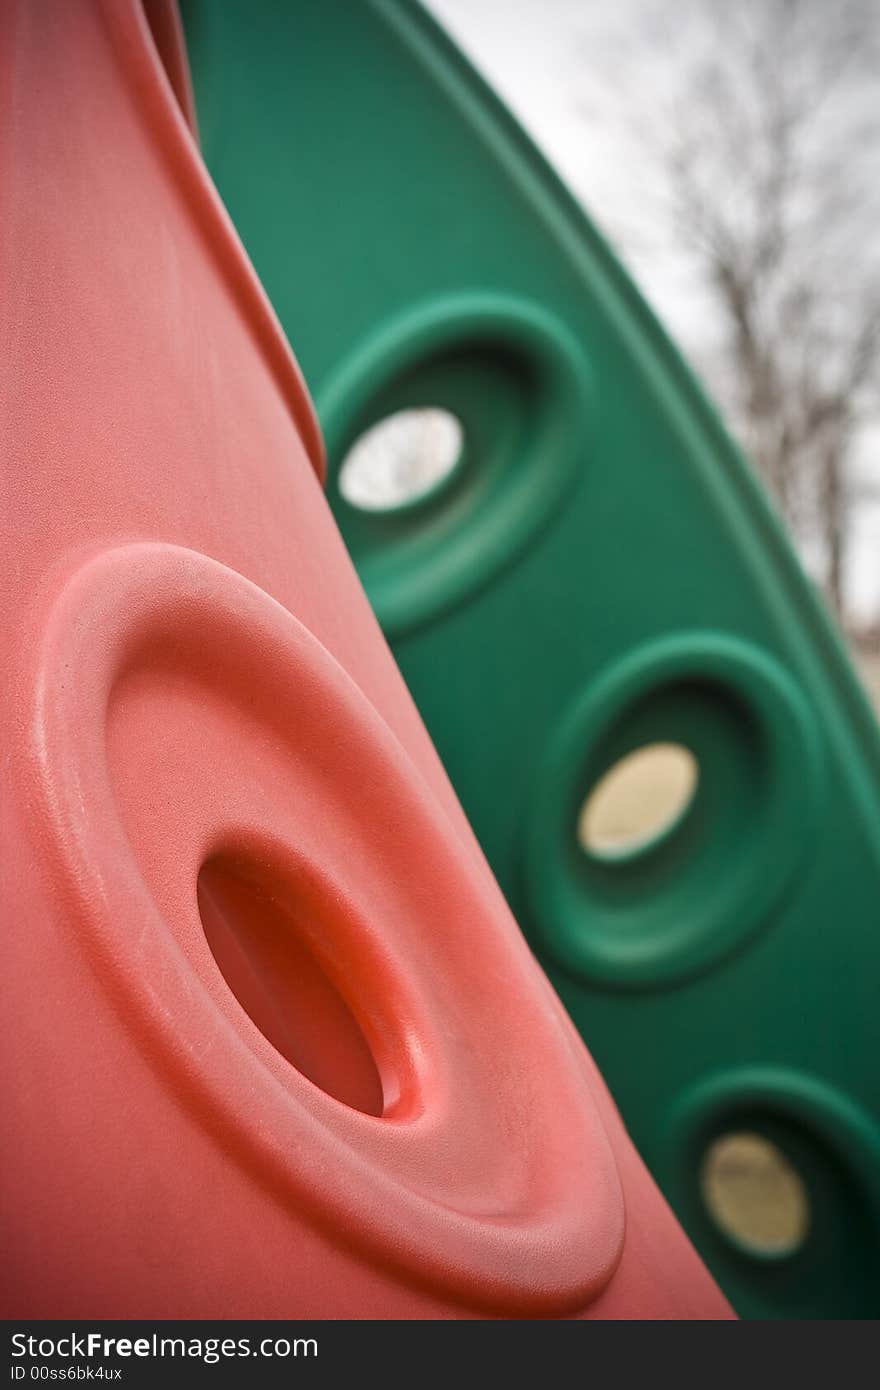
[(598, 573)]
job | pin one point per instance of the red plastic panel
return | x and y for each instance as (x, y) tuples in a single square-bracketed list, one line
[(273, 1044)]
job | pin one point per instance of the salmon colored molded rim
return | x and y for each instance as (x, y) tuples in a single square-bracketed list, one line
[(380, 1184)]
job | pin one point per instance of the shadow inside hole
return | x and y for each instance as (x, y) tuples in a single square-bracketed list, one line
[(268, 964)]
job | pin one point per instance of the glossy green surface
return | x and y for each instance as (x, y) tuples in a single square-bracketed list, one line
[(599, 572)]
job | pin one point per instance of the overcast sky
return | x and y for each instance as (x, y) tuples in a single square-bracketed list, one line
[(538, 54)]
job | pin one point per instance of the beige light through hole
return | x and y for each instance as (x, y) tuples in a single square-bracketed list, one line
[(637, 799), (401, 458), (754, 1195)]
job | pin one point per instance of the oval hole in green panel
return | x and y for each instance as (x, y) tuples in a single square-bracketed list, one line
[(401, 459), (517, 388), (640, 798), (754, 1195)]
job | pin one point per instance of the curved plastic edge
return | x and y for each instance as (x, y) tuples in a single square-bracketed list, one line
[(847, 712), (135, 44)]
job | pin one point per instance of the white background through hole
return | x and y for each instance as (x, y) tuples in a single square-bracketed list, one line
[(401, 458), (638, 798)]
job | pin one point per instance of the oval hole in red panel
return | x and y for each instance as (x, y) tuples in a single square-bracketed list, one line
[(282, 987)]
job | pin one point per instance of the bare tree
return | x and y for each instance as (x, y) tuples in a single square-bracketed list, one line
[(764, 129)]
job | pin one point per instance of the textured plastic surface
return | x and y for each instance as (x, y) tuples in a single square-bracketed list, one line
[(598, 573), (244, 913)]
